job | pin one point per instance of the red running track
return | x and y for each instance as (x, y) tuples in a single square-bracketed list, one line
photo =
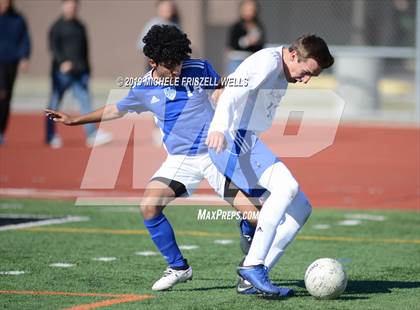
[(366, 167)]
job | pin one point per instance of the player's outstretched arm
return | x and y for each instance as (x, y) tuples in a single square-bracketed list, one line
[(105, 113)]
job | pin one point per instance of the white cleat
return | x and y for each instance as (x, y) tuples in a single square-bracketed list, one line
[(172, 277), (99, 138), (56, 142)]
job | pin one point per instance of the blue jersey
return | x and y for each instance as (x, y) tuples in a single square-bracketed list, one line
[(182, 112)]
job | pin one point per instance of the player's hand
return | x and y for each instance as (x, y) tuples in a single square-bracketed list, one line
[(58, 117), (216, 140), (24, 65), (66, 66)]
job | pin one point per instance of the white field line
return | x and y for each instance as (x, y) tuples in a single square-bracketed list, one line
[(12, 273), (48, 221), (321, 226), (104, 259), (93, 198), (120, 209), (223, 241), (62, 265), (188, 247), (146, 253), (134, 201), (349, 223), (368, 217)]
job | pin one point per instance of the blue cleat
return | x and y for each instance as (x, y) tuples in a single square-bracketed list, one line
[(258, 277), (286, 292), (245, 288), (247, 233)]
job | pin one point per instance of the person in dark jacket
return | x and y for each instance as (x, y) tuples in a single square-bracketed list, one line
[(15, 49), (68, 44), (246, 36)]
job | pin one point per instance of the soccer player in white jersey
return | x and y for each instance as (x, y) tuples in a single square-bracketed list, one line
[(242, 113), (183, 113)]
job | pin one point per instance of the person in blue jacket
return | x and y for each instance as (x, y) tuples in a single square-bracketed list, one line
[(15, 49)]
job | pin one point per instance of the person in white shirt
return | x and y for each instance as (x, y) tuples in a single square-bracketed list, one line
[(242, 113), (166, 14)]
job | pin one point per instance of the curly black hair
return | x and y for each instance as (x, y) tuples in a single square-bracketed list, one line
[(166, 45)]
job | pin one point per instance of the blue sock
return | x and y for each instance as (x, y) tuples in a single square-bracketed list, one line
[(247, 228), (164, 238)]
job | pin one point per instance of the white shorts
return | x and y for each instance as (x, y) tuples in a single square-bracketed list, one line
[(190, 171)]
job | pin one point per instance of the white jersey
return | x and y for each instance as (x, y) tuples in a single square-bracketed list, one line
[(252, 107)]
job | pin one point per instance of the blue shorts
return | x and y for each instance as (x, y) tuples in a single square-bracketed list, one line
[(244, 161)]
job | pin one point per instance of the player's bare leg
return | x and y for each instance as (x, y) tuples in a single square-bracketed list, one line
[(156, 196)]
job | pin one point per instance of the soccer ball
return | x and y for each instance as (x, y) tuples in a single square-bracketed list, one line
[(325, 278)]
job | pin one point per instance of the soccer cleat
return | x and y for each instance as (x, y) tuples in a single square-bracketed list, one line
[(245, 288), (245, 238), (283, 291), (100, 137), (245, 243), (55, 142), (172, 277), (258, 277), (286, 292)]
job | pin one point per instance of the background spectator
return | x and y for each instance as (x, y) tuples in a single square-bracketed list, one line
[(166, 14), (15, 48), (246, 36), (70, 69)]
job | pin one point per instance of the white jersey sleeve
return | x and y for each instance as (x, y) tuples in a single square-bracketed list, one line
[(256, 69)]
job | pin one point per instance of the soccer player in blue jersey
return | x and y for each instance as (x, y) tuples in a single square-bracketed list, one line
[(242, 114), (183, 113)]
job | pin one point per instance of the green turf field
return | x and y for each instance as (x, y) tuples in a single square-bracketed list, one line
[(381, 256)]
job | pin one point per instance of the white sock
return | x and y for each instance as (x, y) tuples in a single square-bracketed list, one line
[(297, 213), (283, 188)]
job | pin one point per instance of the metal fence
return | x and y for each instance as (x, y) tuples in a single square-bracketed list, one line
[(375, 43)]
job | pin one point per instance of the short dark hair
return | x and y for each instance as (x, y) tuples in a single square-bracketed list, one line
[(165, 44), (312, 46)]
